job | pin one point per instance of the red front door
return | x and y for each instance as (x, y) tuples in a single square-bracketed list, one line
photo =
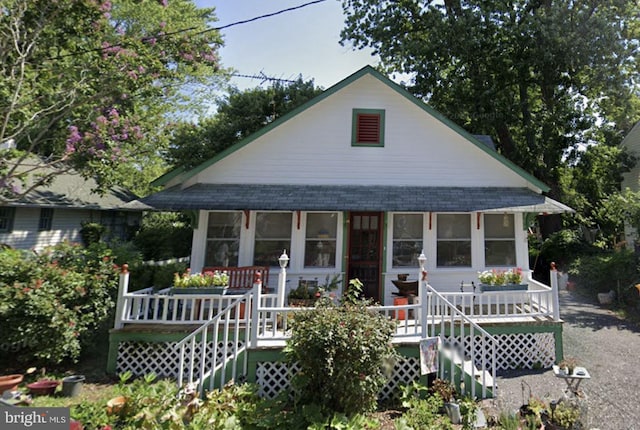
[(365, 251)]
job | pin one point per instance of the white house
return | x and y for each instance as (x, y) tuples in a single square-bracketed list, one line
[(358, 181), (54, 213), (631, 179)]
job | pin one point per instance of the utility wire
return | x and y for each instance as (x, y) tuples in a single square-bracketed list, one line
[(161, 36)]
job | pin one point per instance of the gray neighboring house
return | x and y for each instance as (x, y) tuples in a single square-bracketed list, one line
[(55, 213), (631, 179)]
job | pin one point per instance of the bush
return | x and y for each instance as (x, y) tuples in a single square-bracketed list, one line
[(53, 304), (614, 270), (163, 236), (341, 351)]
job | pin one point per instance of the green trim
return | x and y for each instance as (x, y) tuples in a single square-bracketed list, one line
[(345, 255), (354, 128), (165, 178), (383, 266), (367, 70)]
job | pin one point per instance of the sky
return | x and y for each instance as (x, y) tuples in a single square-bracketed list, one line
[(302, 42)]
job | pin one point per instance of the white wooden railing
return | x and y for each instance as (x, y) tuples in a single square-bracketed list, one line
[(216, 347), (442, 314)]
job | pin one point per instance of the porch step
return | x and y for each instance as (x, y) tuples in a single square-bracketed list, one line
[(468, 369)]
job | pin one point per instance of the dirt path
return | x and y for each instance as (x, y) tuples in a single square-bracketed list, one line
[(610, 350)]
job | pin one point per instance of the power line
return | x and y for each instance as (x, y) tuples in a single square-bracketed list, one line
[(161, 36)]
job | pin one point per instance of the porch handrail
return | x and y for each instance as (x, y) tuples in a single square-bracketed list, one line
[(448, 309), (225, 351)]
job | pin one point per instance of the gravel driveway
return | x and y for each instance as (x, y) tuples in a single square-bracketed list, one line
[(610, 350)]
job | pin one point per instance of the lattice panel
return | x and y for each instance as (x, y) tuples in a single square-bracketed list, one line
[(514, 351), (162, 358), (274, 377)]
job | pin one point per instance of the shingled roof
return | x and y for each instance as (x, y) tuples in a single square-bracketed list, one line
[(350, 197)]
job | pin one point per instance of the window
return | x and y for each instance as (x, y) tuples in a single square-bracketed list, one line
[(407, 239), (223, 239), (6, 219), (367, 127), (499, 240), (273, 235), (320, 240), (46, 218), (454, 240)]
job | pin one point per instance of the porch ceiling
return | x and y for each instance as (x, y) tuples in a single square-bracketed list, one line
[(349, 198)]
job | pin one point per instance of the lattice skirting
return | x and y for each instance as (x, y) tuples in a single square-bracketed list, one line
[(161, 358), (514, 351), (274, 377)]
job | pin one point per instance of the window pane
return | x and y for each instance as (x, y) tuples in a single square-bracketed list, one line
[(499, 240), (454, 240), (454, 226), (46, 218), (407, 239), (273, 235), (6, 219), (500, 253), (223, 238), (452, 253), (499, 226), (320, 245)]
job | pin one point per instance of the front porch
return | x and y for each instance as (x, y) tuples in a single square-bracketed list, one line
[(209, 339)]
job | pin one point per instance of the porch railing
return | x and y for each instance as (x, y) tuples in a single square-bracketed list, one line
[(216, 347), (466, 339)]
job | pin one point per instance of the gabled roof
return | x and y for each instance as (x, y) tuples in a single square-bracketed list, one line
[(180, 175), (70, 190)]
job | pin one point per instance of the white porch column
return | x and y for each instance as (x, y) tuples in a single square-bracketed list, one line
[(422, 293), (123, 289), (282, 277), (253, 304), (554, 292)]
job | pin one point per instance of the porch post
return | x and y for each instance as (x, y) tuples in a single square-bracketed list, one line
[(282, 277), (422, 293), (554, 292), (123, 289), (253, 304)]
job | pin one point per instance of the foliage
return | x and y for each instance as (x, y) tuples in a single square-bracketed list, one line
[(91, 85), (91, 232), (569, 363), (200, 280), (563, 246), (160, 277), (444, 389), (606, 271), (238, 115), (423, 412), (501, 277), (501, 69), (341, 351), (164, 235), (566, 415), (305, 291), (54, 303)]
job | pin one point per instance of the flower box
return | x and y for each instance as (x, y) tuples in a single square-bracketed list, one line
[(505, 287), (198, 290)]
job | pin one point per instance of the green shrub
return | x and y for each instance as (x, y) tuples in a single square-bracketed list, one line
[(164, 235), (614, 270), (341, 351), (422, 410), (159, 277), (53, 304)]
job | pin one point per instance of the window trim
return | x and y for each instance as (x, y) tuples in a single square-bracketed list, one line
[(356, 114), (511, 239), (45, 222), (10, 216), (468, 240)]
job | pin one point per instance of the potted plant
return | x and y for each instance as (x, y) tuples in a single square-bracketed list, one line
[(215, 282), (501, 280), (308, 292), (568, 364)]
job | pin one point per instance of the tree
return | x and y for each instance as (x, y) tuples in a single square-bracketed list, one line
[(543, 78), (239, 114), (89, 84)]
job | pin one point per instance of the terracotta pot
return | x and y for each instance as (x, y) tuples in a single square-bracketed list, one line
[(45, 387), (10, 382)]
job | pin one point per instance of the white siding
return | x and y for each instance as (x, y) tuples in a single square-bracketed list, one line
[(65, 226), (632, 143), (314, 147)]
